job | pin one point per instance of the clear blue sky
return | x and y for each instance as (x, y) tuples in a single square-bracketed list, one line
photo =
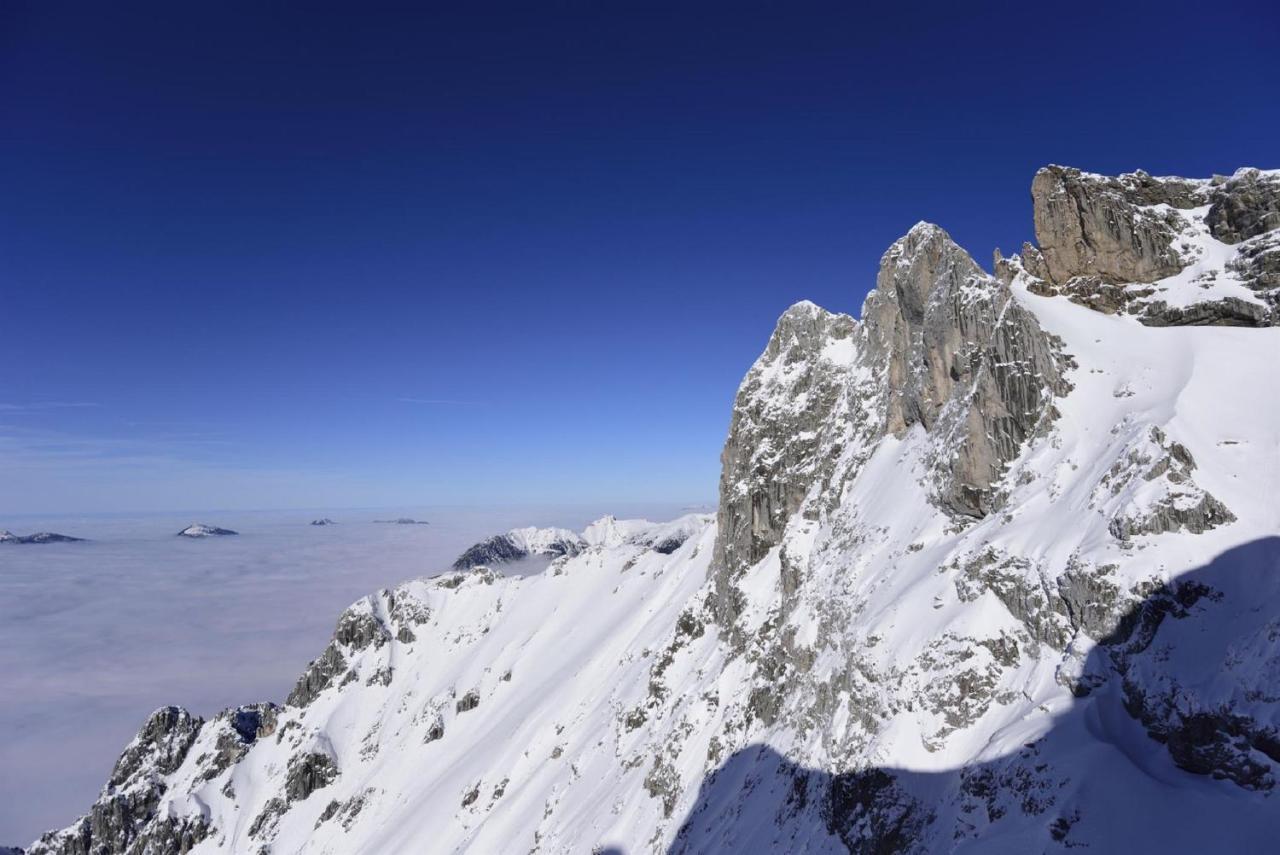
[(272, 258)]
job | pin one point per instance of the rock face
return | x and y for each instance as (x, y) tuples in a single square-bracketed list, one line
[(201, 530), (1093, 225), (994, 569), (1174, 251), (963, 360)]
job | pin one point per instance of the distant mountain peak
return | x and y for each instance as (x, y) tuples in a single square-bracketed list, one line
[(38, 537), (202, 530)]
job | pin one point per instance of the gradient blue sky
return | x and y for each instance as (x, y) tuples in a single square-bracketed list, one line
[(256, 258)]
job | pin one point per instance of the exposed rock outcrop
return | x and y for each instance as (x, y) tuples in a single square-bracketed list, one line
[(124, 818), (1173, 251), (373, 622), (1245, 205), (785, 434), (1094, 225)]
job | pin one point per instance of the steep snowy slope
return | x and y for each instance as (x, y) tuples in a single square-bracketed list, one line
[(996, 568)]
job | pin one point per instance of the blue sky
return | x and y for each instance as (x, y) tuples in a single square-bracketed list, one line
[(273, 258)]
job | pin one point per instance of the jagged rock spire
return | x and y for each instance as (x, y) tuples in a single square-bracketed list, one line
[(942, 346)]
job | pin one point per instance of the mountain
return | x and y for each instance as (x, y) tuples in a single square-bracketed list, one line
[(323, 521), (520, 543), (202, 530), (995, 568), (38, 537), (403, 521)]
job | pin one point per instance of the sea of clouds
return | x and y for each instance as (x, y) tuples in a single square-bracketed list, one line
[(96, 635)]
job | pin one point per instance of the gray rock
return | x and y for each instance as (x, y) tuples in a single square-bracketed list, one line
[(358, 628), (1258, 264), (1197, 514), (307, 773), (774, 453), (160, 746), (1228, 312), (322, 672), (1093, 225), (124, 819), (1245, 205), (963, 360), (1102, 241)]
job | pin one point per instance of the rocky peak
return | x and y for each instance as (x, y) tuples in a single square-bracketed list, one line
[(920, 274), (782, 437), (942, 346), (962, 359)]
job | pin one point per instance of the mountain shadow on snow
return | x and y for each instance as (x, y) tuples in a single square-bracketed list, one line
[(1173, 719)]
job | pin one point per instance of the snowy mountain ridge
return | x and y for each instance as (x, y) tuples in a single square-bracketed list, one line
[(995, 568), (520, 543)]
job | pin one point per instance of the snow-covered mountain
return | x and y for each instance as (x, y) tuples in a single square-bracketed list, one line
[(38, 537), (202, 530), (996, 568), (518, 544)]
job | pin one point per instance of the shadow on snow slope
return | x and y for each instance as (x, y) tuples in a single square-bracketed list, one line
[(1171, 745)]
